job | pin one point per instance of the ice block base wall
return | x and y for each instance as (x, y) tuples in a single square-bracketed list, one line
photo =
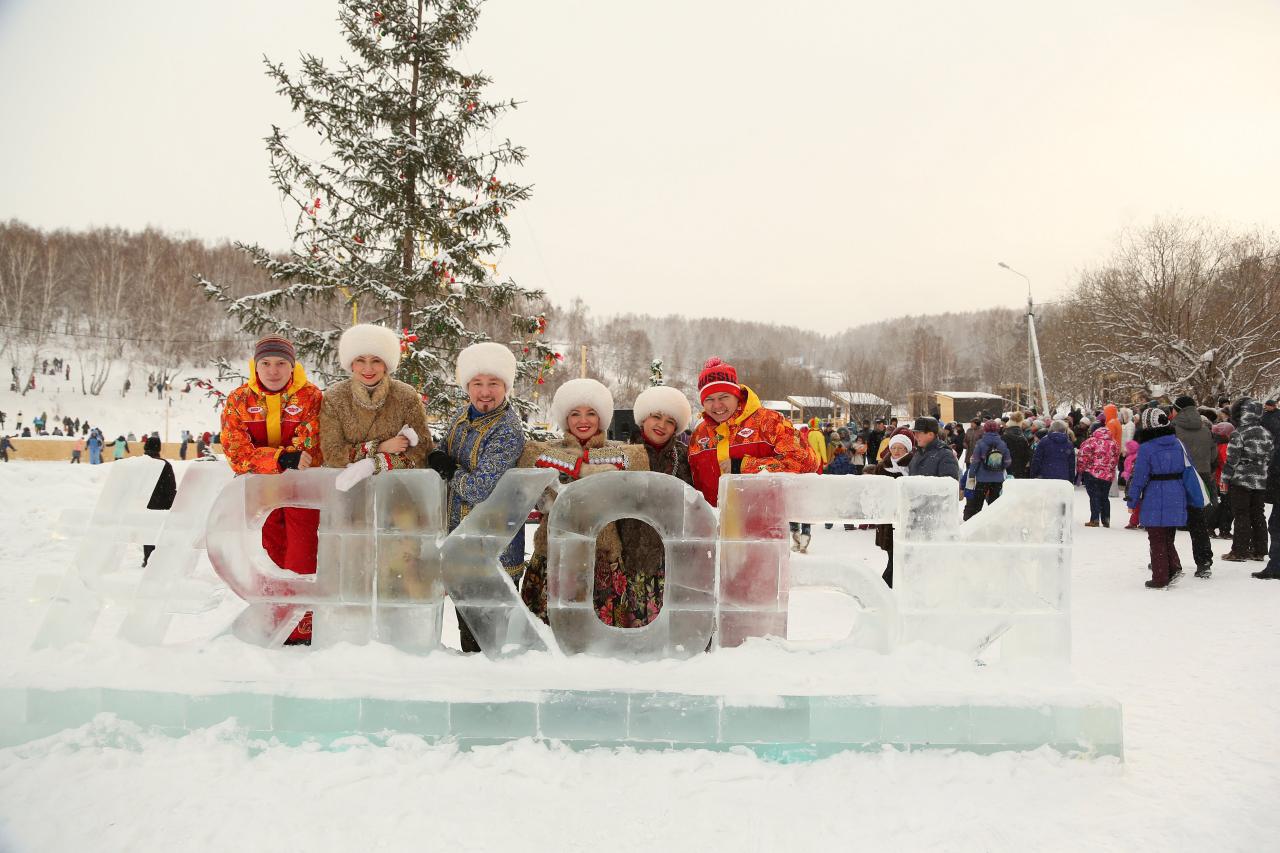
[(783, 728)]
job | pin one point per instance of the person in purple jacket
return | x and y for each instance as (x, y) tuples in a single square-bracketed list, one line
[(1164, 484)]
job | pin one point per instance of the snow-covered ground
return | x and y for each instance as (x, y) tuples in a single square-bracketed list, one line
[(1196, 669), (115, 412)]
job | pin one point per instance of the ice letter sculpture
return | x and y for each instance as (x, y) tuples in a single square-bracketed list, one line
[(1003, 575), (360, 590), (169, 583), (383, 564), (481, 589), (755, 557), (119, 518), (688, 529)]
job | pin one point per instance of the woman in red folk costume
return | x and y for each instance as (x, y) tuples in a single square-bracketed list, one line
[(582, 408), (736, 435), (270, 425)]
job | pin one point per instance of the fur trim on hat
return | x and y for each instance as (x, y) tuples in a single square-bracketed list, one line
[(486, 359), (368, 339), (581, 392), (663, 400)]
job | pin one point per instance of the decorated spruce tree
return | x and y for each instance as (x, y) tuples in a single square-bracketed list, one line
[(401, 214)]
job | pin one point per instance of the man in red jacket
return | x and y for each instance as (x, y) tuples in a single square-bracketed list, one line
[(737, 435), (270, 424)]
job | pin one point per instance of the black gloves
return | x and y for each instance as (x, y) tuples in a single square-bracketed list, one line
[(289, 460), (442, 463)]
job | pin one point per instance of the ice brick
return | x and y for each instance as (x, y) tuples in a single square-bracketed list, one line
[(935, 725), (409, 716), (251, 710), (674, 718), (502, 720), (593, 715), (169, 582), (845, 719), (683, 627), (306, 715), (119, 517), (784, 721), (147, 707), (1001, 580), (815, 498), (480, 588)]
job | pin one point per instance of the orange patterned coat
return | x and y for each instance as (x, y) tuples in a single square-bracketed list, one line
[(754, 440), (257, 427)]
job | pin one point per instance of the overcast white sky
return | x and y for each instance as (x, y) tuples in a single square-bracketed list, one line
[(815, 163)]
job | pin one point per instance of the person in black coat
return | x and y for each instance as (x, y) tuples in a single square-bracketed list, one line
[(166, 487), (1019, 447)]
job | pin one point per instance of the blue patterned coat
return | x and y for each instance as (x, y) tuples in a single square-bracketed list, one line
[(485, 447)]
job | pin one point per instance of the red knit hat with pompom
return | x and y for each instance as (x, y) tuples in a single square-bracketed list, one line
[(718, 377)]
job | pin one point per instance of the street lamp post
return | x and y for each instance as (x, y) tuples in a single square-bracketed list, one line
[(1034, 368)]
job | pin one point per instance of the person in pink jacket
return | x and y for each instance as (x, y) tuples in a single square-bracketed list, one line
[(1130, 456), (1096, 462)]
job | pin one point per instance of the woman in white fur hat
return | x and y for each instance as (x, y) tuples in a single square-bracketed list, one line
[(582, 408), (633, 596), (372, 423)]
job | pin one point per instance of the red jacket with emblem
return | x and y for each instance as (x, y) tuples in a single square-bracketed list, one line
[(257, 426), (758, 439)]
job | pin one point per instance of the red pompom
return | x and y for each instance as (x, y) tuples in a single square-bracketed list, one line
[(714, 361)]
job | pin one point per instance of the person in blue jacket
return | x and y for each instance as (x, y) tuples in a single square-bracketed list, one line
[(841, 463), (1164, 484), (988, 464), (95, 447), (1055, 457)]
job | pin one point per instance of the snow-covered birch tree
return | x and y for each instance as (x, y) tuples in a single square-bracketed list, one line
[(1179, 308)]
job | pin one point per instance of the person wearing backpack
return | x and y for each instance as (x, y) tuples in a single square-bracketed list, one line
[(989, 462), (1096, 463)]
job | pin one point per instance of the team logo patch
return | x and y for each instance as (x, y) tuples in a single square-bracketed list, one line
[(704, 443), (746, 432), (293, 410), (255, 410)]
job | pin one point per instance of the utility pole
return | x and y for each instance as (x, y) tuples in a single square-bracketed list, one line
[(583, 372), (1034, 368)]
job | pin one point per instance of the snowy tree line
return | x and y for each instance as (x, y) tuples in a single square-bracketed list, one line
[(1177, 307), (119, 295)]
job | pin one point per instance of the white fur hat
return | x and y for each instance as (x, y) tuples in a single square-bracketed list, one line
[(663, 400), (581, 392), (487, 359), (368, 339)]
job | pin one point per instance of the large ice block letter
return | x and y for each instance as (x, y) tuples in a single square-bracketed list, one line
[(1003, 576), (120, 517), (688, 529), (169, 582), (481, 589), (234, 542), (377, 568), (755, 571)]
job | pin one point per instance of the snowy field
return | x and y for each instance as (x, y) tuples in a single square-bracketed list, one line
[(115, 412), (1197, 669)]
